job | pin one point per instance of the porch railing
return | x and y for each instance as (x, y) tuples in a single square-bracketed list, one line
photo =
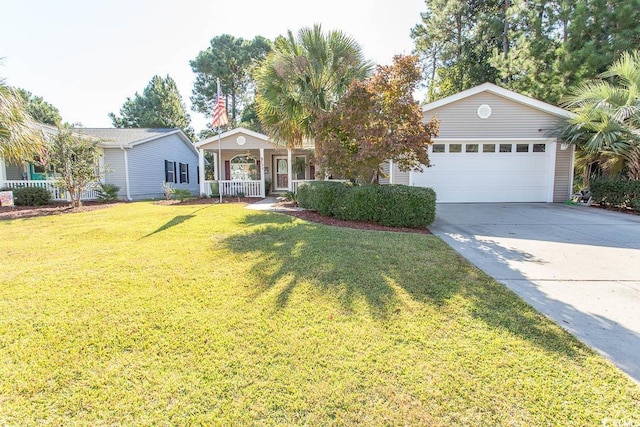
[(56, 193), (235, 188)]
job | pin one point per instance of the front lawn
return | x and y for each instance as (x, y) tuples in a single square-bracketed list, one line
[(142, 314)]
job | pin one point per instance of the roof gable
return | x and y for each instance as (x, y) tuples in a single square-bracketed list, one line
[(502, 92), (130, 137)]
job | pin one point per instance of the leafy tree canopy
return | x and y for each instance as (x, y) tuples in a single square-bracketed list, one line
[(40, 110), (606, 125), (20, 140), (230, 59), (159, 106), (376, 120), (74, 158), (304, 76)]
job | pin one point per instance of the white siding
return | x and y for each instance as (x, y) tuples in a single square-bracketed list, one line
[(146, 166), (114, 164)]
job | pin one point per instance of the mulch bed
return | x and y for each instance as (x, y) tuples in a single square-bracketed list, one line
[(8, 212)]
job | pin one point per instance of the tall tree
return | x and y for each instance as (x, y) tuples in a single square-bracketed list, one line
[(19, 138), (230, 59), (159, 106), (454, 41), (606, 125), (303, 76), (40, 110), (376, 120)]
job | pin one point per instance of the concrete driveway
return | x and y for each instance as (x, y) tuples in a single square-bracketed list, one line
[(578, 265)]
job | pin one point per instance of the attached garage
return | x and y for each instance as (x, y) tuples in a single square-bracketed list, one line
[(494, 145)]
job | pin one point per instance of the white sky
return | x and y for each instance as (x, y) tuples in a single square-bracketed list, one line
[(86, 56)]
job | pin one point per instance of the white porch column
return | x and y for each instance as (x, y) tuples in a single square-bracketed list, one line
[(289, 169), (390, 172), (126, 172), (216, 166), (201, 174), (262, 178), (3, 172)]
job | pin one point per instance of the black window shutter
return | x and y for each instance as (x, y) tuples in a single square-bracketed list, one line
[(187, 167), (175, 178), (198, 173)]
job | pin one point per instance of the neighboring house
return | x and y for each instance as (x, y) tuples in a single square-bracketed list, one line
[(244, 160), (139, 161), (494, 145)]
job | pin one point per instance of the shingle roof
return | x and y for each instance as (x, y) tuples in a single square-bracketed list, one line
[(115, 137)]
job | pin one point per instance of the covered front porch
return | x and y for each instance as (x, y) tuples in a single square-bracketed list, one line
[(23, 175), (247, 163)]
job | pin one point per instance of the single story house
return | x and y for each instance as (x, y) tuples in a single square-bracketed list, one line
[(137, 160), (494, 145)]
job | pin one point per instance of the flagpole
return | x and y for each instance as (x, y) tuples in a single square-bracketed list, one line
[(220, 166), (218, 95)]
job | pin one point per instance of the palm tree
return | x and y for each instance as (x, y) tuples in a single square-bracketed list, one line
[(606, 124), (302, 77), (19, 139)]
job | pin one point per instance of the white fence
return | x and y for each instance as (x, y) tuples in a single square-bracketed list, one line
[(56, 193), (235, 188)]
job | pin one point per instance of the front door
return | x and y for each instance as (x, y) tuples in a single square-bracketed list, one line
[(281, 171)]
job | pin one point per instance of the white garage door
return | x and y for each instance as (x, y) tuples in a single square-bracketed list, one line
[(486, 171)]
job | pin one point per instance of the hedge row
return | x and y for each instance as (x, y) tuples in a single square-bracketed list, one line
[(390, 205), (619, 193), (30, 196)]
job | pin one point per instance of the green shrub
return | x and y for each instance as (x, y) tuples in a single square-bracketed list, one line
[(619, 193), (107, 192), (390, 205), (30, 196), (322, 196), (181, 194)]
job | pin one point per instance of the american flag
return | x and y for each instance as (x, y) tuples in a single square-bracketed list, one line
[(219, 111)]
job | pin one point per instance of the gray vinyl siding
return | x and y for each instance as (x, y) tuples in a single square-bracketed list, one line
[(508, 119), (384, 167), (562, 182), (114, 165), (399, 177), (14, 172), (146, 166)]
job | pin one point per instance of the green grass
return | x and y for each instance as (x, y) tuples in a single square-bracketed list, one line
[(141, 314)]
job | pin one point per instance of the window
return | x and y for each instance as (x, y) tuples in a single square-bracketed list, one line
[(244, 168), (539, 148), (505, 148), (488, 148), (169, 171), (438, 148), (455, 148), (184, 173), (522, 148), (471, 148)]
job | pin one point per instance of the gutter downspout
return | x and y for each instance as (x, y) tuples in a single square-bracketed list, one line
[(126, 171)]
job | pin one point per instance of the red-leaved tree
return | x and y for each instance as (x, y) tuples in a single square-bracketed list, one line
[(376, 120)]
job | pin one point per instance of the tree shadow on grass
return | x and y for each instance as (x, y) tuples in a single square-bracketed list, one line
[(387, 271), (176, 220)]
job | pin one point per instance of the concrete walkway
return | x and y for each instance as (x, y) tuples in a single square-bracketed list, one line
[(580, 266)]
